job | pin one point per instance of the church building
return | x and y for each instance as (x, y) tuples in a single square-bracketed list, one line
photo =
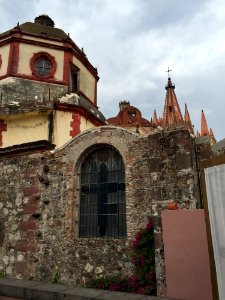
[(75, 188), (48, 87)]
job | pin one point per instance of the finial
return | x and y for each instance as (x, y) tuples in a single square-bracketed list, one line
[(44, 20), (168, 71)]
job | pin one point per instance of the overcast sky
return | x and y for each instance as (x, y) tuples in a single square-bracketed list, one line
[(132, 43)]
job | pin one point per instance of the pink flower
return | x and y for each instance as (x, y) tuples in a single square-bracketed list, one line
[(141, 291), (114, 287), (149, 225), (136, 240)]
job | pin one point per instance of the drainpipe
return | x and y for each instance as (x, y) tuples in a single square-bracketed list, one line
[(50, 127)]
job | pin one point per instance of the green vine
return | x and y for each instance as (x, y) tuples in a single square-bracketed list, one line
[(56, 277)]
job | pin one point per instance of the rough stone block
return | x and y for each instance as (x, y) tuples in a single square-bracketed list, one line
[(15, 287), (29, 209), (25, 246), (155, 165), (29, 191), (46, 291), (120, 296), (80, 293), (156, 193), (183, 161), (158, 240), (29, 225), (157, 221), (30, 172), (24, 269), (154, 142)]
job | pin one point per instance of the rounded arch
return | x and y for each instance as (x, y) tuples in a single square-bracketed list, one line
[(102, 193), (82, 156)]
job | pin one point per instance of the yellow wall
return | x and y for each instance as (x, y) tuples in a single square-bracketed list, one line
[(4, 52), (41, 40), (26, 53), (87, 80), (62, 128), (25, 130), (85, 124)]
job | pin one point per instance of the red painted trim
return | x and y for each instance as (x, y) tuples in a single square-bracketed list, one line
[(18, 75), (69, 46), (47, 56), (3, 127), (81, 111), (75, 124), (13, 58), (44, 37), (0, 60), (33, 78), (66, 66)]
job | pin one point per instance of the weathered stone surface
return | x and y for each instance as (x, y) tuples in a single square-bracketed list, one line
[(183, 161), (42, 220), (33, 290)]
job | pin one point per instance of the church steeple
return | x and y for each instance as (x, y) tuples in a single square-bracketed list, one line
[(204, 125), (172, 116), (155, 118), (187, 120), (205, 131)]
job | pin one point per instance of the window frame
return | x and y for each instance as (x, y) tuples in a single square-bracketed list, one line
[(74, 70), (46, 56), (113, 231)]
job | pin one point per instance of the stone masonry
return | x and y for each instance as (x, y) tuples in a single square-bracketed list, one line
[(39, 204)]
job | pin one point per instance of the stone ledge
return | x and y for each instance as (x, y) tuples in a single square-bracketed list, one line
[(34, 290)]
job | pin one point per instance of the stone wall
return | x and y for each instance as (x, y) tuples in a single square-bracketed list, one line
[(27, 92), (40, 204)]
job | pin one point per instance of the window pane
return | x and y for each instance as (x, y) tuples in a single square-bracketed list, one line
[(43, 66), (102, 199)]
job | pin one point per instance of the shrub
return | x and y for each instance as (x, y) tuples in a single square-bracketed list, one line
[(142, 254)]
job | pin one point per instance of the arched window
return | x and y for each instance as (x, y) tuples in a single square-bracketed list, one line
[(102, 195)]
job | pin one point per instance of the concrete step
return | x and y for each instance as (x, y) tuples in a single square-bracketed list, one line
[(14, 289)]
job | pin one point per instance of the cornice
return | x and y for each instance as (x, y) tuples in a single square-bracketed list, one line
[(67, 45)]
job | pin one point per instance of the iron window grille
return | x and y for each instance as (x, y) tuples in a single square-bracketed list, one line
[(102, 195), (43, 66)]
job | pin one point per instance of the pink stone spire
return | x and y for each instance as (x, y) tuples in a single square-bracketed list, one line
[(155, 118), (172, 116), (187, 120), (204, 125)]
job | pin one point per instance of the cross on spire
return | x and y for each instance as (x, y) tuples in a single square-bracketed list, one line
[(168, 71)]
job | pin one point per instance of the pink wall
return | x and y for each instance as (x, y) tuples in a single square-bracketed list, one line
[(186, 255)]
